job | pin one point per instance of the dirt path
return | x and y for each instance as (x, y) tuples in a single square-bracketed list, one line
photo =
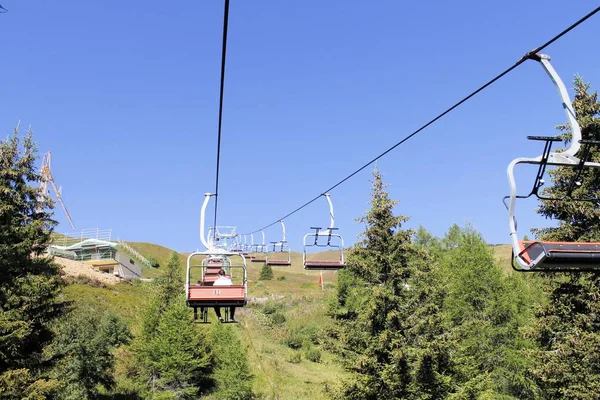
[(76, 268)]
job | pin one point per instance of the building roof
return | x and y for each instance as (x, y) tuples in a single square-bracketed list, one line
[(87, 244), (106, 262)]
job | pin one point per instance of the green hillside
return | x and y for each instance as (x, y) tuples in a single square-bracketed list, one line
[(294, 294), (160, 253), (279, 370)]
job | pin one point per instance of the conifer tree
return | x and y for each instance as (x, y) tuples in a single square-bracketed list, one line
[(29, 282), (165, 289), (486, 313), (176, 360), (84, 346), (388, 307), (231, 371), (266, 273), (170, 355), (568, 330)]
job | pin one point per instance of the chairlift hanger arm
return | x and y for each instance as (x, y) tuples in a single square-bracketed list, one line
[(331, 215), (544, 60), (205, 243), (283, 228)]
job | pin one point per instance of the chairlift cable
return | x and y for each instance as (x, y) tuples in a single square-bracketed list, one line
[(468, 97), (223, 56)]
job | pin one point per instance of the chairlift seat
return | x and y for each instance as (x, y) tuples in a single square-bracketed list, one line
[(210, 279), (323, 264), (256, 260), (278, 262), (565, 256), (216, 296)]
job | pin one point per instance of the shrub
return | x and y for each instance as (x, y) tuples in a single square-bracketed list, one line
[(313, 354), (296, 358), (277, 318), (293, 340), (271, 307), (153, 261), (266, 273)]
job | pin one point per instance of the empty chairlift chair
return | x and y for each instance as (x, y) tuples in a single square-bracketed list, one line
[(245, 247), (201, 293), (280, 254), (251, 248), (548, 255), (236, 247), (260, 251), (327, 240)]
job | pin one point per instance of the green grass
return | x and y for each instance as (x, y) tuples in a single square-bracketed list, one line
[(282, 371), (503, 255), (124, 299), (279, 371), (160, 253)]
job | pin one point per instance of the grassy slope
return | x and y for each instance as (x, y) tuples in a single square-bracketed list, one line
[(279, 371), (123, 299), (276, 370), (503, 256), (159, 252)]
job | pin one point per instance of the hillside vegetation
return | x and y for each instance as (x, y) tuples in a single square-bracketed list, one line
[(285, 321), (283, 329), (291, 307)]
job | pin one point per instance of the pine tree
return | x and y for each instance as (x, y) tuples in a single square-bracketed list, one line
[(30, 283), (84, 346), (231, 371), (387, 311), (165, 290), (568, 329), (176, 360), (170, 355), (486, 314), (171, 284), (266, 273)]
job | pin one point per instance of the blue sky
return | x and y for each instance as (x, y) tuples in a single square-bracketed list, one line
[(125, 95)]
